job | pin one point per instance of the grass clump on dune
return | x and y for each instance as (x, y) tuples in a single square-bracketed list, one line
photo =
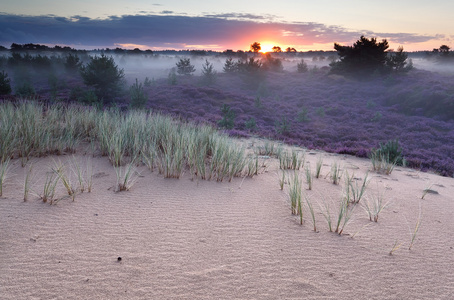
[(31, 128)]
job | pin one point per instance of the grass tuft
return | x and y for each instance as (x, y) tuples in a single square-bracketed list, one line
[(381, 163), (126, 177), (335, 173), (27, 182), (308, 177), (375, 206), (311, 211), (295, 195), (396, 246), (318, 166), (415, 231), (5, 168)]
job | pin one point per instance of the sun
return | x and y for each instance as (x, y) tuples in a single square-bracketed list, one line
[(267, 47)]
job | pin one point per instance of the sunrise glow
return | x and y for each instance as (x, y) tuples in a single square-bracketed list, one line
[(267, 47)]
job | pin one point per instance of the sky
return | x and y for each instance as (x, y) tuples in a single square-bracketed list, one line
[(225, 24)]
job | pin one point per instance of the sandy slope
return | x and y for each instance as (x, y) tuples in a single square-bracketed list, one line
[(183, 239)]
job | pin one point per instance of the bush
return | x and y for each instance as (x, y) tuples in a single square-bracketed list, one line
[(208, 73), (272, 64), (184, 67), (72, 63), (25, 90), (5, 84), (138, 97), (391, 151), (103, 74), (398, 61), (228, 117), (251, 124), (172, 77), (302, 67), (365, 57), (282, 126), (149, 82), (230, 66), (250, 65)]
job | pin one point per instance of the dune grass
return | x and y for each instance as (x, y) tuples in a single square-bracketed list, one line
[(416, 229), (5, 168), (381, 163), (395, 247), (354, 192), (293, 160), (375, 206), (311, 211), (49, 187), (126, 177), (344, 215), (268, 148), (308, 177), (60, 170), (335, 173), (171, 146), (326, 212), (318, 166), (27, 182), (295, 195), (282, 180)]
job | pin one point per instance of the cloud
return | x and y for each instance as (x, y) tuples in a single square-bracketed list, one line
[(225, 31), (239, 16)]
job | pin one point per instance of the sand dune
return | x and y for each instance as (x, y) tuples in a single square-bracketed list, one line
[(189, 239)]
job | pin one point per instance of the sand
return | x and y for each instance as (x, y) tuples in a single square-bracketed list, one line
[(194, 239)]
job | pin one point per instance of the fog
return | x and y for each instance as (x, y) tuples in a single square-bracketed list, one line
[(159, 66)]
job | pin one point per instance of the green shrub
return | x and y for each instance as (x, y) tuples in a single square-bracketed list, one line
[(230, 66), (72, 63), (147, 82), (391, 151), (184, 66), (103, 75), (251, 124), (5, 85), (283, 126), (172, 78), (25, 90), (138, 97), (302, 115), (302, 67), (228, 117), (208, 73)]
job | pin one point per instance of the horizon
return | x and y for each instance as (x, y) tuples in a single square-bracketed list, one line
[(201, 25)]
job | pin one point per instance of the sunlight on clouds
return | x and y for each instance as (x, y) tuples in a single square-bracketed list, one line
[(291, 33), (132, 46), (204, 47)]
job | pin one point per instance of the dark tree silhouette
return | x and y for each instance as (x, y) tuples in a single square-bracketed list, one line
[(208, 73), (250, 65), (272, 64), (365, 57), (255, 47), (397, 61), (184, 67), (5, 86), (230, 66), (277, 49), (444, 48), (103, 74), (290, 49)]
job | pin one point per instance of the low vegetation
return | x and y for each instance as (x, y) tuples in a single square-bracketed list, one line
[(173, 147)]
